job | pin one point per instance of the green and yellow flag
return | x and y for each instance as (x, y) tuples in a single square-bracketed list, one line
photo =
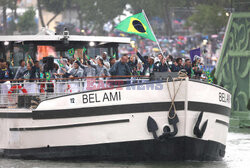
[(136, 24), (60, 64), (114, 56), (47, 76), (71, 52), (28, 59)]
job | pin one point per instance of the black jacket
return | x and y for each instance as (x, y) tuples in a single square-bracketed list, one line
[(159, 67), (145, 63), (30, 74), (176, 68), (6, 74)]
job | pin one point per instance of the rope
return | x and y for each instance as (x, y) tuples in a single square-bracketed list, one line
[(175, 93)]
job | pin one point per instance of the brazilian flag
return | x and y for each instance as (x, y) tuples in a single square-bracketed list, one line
[(28, 59), (47, 75), (136, 24), (71, 52), (60, 64)]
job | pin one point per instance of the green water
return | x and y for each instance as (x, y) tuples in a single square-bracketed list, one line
[(237, 156)]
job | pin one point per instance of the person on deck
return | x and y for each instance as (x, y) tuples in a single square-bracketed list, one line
[(132, 63), (21, 69), (105, 60), (148, 64), (170, 60), (161, 65), (121, 69), (75, 72), (6, 71), (178, 66), (59, 75), (30, 85), (101, 69), (10, 71), (37, 69), (112, 62), (188, 67), (88, 71), (5, 85), (197, 67)]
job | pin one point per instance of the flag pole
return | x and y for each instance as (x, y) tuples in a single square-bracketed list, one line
[(152, 31)]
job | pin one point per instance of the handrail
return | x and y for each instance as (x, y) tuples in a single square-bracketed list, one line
[(10, 91), (92, 77)]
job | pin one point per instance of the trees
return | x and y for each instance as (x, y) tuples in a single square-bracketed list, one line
[(27, 22), (97, 12), (12, 4), (158, 8), (54, 6), (4, 3), (208, 19)]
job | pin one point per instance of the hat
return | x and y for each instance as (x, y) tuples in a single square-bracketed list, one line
[(99, 57), (196, 57), (153, 58), (156, 59)]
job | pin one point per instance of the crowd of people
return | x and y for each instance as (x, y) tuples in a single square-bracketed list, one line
[(100, 67)]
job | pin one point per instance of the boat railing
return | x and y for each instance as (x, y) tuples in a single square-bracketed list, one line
[(25, 92)]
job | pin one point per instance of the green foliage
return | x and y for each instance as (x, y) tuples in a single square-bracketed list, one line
[(97, 12), (55, 6), (248, 105), (94, 13), (27, 21), (208, 19), (158, 8), (3, 2)]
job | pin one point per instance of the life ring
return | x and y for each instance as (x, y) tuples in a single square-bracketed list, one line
[(16, 87), (68, 89), (42, 88)]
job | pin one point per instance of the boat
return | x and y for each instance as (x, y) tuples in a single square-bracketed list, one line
[(164, 117)]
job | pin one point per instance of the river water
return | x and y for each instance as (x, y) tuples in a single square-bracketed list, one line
[(237, 156)]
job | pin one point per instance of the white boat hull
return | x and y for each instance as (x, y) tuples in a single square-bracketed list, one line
[(112, 124)]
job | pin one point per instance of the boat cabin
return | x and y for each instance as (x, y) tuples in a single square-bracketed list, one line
[(17, 47), (49, 45)]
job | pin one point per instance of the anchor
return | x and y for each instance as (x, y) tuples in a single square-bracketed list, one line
[(197, 131), (152, 126), (172, 120)]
